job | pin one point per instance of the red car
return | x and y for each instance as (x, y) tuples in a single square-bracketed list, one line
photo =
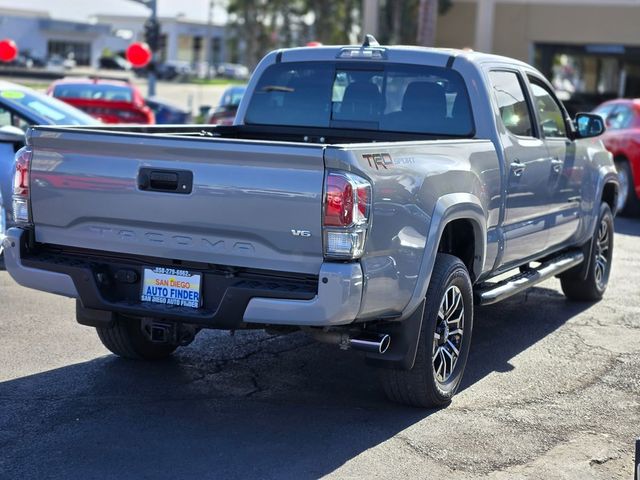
[(111, 101), (622, 139)]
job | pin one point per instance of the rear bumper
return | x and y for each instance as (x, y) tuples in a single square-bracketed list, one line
[(230, 300)]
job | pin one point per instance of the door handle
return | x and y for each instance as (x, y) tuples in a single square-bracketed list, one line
[(517, 167), (557, 164)]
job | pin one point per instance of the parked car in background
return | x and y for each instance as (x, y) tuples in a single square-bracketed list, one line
[(114, 62), (168, 113), (21, 107), (233, 71), (171, 70), (111, 101), (225, 112), (622, 139), (56, 63), (27, 60)]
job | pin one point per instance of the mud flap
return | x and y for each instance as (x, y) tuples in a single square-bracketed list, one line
[(94, 318), (405, 336)]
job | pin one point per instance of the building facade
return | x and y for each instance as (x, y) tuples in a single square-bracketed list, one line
[(182, 40), (588, 48), (43, 37)]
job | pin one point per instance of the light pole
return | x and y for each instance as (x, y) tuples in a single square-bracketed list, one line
[(152, 32), (210, 39)]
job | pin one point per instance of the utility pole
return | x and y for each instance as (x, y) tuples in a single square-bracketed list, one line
[(151, 79), (210, 42), (152, 34), (370, 17), (485, 19)]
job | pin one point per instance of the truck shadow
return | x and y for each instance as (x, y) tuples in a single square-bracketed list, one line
[(249, 406)]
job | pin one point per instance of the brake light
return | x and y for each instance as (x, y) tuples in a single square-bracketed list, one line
[(338, 202), (347, 205), (21, 185)]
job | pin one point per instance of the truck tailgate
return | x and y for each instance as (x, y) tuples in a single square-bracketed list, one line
[(251, 203)]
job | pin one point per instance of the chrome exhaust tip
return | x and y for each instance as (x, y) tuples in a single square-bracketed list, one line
[(372, 343)]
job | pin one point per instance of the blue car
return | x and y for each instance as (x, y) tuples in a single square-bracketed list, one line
[(21, 107), (168, 113)]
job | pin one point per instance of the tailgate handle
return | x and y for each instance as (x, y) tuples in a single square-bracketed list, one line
[(163, 180), (169, 181)]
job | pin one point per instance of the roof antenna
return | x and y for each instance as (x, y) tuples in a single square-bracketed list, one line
[(370, 41)]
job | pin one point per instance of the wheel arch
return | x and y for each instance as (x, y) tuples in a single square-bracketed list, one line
[(455, 241), (610, 192), (453, 214)]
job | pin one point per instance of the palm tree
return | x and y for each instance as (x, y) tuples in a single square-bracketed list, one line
[(427, 21)]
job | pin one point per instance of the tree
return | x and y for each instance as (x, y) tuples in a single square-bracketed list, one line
[(258, 26), (427, 21), (399, 20)]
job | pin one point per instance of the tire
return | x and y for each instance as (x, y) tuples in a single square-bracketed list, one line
[(3, 228), (126, 339), (427, 384), (628, 203), (592, 288)]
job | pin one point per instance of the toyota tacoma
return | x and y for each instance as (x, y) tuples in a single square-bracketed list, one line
[(367, 195)]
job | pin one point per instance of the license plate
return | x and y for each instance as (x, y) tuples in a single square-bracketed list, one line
[(171, 286)]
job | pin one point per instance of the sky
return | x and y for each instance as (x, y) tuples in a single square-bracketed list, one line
[(81, 10)]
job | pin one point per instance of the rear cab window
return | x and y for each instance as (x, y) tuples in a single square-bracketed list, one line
[(382, 97), (93, 91)]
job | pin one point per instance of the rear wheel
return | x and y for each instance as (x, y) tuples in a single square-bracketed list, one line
[(444, 340), (3, 227), (126, 339), (592, 287), (628, 202)]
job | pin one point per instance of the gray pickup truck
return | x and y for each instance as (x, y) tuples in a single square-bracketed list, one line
[(367, 195)]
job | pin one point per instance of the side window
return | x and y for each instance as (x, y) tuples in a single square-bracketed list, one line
[(620, 118), (9, 118), (5, 117), (512, 103), (551, 116), (604, 111)]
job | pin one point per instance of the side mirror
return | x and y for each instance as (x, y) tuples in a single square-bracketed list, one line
[(589, 125), (11, 134)]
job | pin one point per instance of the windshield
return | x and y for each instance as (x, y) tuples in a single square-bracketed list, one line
[(391, 97), (232, 97), (43, 106), (94, 91)]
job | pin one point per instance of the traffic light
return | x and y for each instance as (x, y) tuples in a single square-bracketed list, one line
[(152, 33)]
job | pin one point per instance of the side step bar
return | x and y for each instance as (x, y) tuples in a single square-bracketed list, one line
[(489, 293)]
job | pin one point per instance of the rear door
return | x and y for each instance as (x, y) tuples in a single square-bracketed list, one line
[(226, 202), (527, 168)]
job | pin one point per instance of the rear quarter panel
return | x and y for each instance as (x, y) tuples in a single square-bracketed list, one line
[(417, 187)]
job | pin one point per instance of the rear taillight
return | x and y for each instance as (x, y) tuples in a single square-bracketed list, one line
[(21, 185), (347, 207)]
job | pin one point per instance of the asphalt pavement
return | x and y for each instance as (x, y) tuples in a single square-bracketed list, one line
[(551, 391)]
